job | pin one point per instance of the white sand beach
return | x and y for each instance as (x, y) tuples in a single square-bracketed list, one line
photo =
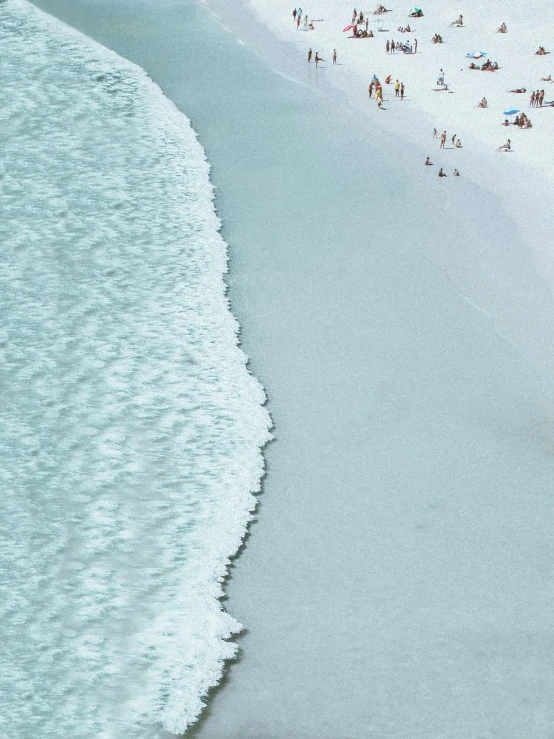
[(397, 581)]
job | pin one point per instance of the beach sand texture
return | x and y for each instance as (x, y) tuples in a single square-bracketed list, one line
[(398, 581)]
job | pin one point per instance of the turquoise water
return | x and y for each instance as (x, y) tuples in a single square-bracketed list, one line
[(131, 427)]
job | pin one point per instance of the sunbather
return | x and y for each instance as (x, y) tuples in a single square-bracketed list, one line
[(519, 89), (428, 162), (458, 22), (502, 28), (547, 79), (541, 51), (483, 103), (458, 144), (441, 173), (505, 147)]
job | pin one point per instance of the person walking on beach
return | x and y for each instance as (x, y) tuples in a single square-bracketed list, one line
[(294, 15), (443, 139), (415, 46), (334, 56), (298, 21), (396, 88), (453, 139), (309, 55), (435, 134), (388, 46), (402, 91)]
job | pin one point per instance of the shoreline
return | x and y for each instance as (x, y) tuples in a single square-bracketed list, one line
[(391, 391)]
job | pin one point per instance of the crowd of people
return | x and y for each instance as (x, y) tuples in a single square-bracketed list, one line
[(360, 28)]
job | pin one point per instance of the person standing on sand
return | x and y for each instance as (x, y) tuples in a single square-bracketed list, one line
[(334, 56), (435, 134), (443, 139), (298, 21), (532, 100), (453, 139), (310, 55), (392, 47), (402, 91), (396, 88), (415, 46), (294, 15), (541, 98), (388, 46)]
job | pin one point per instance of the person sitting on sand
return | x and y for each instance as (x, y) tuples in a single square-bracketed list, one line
[(458, 144), (547, 79), (527, 124), (428, 162), (387, 80), (505, 147), (458, 22), (507, 122), (502, 28), (541, 51), (441, 173), (456, 173), (483, 103), (437, 39)]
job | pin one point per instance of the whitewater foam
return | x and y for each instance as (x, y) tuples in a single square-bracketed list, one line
[(131, 427)]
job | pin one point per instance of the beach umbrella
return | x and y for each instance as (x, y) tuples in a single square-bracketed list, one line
[(477, 54), (415, 9), (511, 112)]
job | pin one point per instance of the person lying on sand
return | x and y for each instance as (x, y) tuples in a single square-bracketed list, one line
[(441, 173), (428, 162), (458, 22), (502, 28), (519, 89), (547, 79), (541, 51), (505, 147)]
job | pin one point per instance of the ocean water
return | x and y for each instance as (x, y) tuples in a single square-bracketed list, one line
[(131, 426)]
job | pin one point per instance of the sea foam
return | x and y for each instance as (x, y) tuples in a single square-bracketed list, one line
[(131, 427)]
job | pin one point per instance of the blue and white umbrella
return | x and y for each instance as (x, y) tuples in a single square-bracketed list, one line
[(511, 112)]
